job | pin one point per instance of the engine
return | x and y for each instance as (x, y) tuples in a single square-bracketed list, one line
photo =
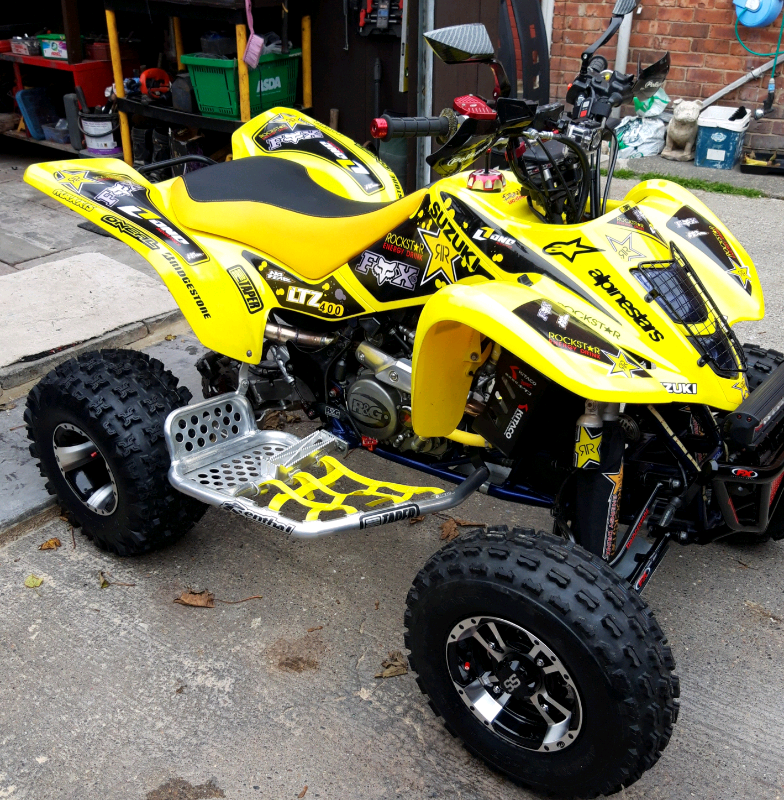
[(379, 401)]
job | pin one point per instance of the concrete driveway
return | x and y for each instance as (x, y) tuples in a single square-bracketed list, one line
[(120, 693)]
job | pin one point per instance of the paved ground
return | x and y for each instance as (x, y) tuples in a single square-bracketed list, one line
[(120, 693)]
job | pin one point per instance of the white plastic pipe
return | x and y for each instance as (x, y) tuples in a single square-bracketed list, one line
[(424, 144), (548, 11), (622, 51)]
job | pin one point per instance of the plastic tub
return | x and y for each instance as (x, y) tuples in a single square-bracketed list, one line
[(25, 46), (54, 134), (53, 45), (720, 139), (37, 109), (218, 45), (99, 130), (216, 83)]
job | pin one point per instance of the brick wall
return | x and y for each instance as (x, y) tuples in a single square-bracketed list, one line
[(700, 37)]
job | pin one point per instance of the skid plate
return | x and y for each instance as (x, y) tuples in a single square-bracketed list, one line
[(220, 457)]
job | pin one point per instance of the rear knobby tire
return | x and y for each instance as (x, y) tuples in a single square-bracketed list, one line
[(760, 363), (589, 628), (117, 400)]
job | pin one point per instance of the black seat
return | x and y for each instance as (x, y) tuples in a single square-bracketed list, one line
[(274, 181)]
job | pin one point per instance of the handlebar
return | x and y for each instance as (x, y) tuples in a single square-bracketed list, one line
[(386, 127)]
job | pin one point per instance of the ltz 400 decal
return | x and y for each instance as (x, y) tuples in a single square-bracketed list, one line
[(328, 299)]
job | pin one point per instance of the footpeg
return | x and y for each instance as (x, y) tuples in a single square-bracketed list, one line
[(220, 457)]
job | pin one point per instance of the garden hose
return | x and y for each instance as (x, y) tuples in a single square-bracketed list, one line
[(768, 105)]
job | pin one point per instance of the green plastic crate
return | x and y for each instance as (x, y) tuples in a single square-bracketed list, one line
[(216, 83)]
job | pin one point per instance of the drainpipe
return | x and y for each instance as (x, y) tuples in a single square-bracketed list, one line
[(622, 51), (424, 144), (548, 11)]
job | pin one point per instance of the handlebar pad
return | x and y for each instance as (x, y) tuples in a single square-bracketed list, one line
[(387, 127)]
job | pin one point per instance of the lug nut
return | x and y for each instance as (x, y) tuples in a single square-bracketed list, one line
[(539, 662)]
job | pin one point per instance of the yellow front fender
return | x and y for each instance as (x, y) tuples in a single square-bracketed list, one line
[(554, 331)]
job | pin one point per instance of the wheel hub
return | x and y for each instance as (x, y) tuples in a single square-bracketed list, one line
[(85, 469), (513, 683)]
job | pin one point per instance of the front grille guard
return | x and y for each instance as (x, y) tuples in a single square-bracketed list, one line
[(675, 285)]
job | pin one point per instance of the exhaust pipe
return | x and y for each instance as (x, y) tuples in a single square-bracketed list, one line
[(285, 333)]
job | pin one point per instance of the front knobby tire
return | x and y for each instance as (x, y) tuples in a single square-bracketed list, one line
[(543, 661), (96, 426)]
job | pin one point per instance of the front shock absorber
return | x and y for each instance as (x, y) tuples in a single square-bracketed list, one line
[(598, 456)]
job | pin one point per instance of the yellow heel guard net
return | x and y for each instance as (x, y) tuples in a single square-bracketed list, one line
[(305, 493)]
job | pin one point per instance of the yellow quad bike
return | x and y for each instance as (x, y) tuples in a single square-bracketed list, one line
[(510, 330)]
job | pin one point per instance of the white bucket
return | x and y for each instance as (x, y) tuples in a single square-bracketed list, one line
[(98, 130)]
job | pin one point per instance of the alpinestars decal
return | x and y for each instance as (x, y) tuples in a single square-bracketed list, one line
[(570, 250)]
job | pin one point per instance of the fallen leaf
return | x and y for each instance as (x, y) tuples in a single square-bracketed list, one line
[(449, 530), (320, 628), (377, 604), (170, 337), (277, 420), (394, 665), (414, 520), (303, 792), (762, 611), (51, 544), (33, 581), (105, 584), (244, 600), (179, 689), (272, 422), (464, 523), (204, 599)]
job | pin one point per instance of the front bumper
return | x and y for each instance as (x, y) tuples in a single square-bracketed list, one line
[(748, 496)]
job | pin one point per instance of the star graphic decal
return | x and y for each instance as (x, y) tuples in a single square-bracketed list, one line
[(443, 258), (624, 248), (742, 387), (586, 447), (570, 250), (741, 273), (75, 178), (291, 120), (623, 364)]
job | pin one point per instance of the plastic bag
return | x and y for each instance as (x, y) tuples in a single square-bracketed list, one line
[(639, 137), (653, 106)]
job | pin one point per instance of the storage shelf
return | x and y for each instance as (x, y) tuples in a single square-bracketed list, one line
[(66, 148), (175, 117), (56, 63)]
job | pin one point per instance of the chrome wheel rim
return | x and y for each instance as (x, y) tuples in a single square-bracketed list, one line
[(85, 469), (514, 684)]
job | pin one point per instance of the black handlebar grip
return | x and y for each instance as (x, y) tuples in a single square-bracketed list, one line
[(387, 127)]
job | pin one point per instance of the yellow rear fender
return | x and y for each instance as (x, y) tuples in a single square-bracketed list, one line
[(218, 291), (557, 333)]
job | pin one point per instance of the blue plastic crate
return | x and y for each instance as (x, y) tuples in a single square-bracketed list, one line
[(37, 110), (719, 139)]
